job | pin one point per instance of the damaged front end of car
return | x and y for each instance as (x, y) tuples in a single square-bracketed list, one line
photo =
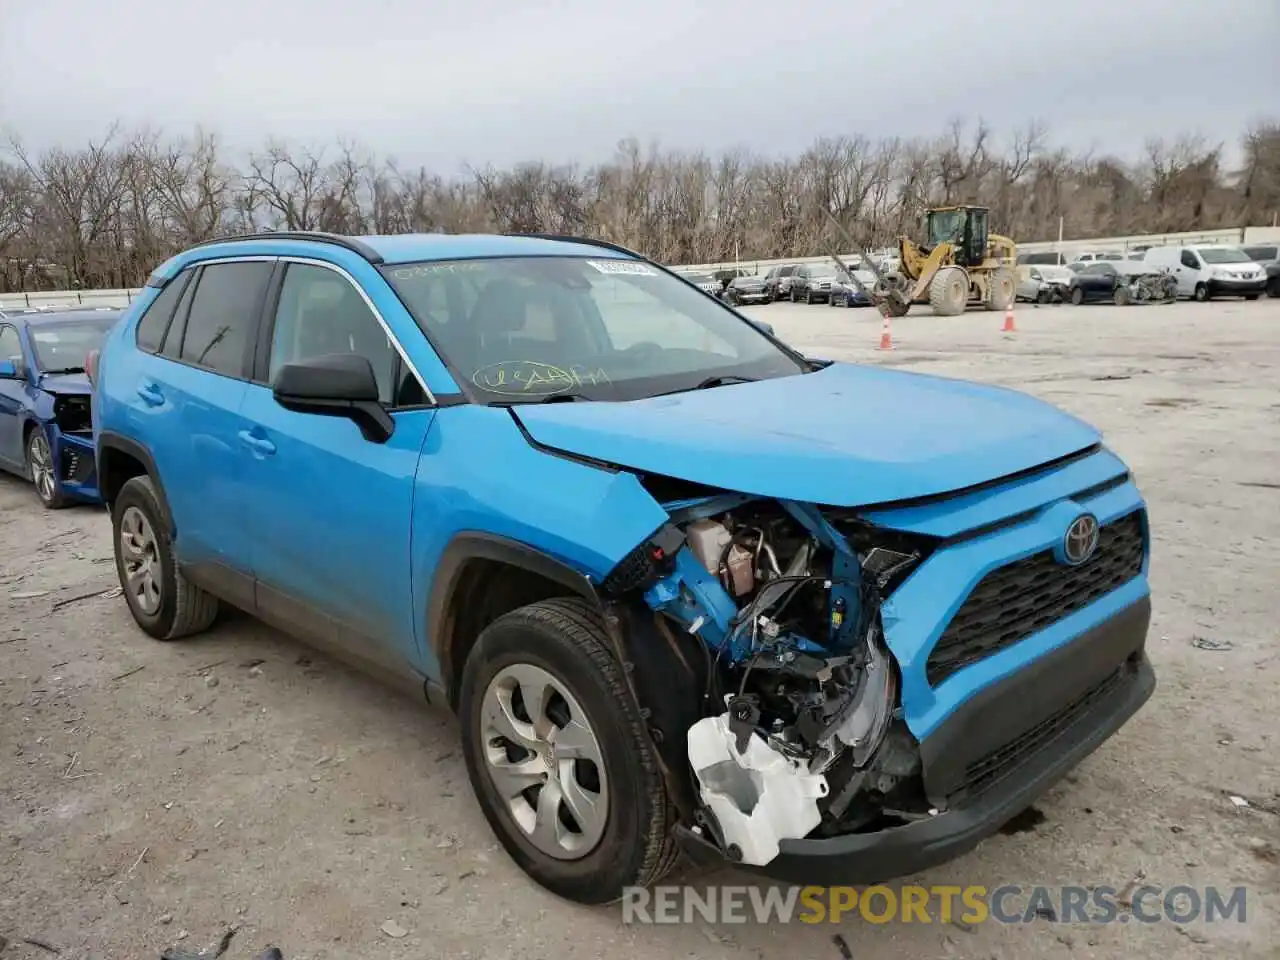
[(1147, 287), (777, 690), (70, 433)]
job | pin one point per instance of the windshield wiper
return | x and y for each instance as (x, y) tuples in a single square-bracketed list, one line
[(548, 398), (721, 381)]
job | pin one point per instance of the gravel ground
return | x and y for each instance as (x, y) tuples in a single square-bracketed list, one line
[(157, 794)]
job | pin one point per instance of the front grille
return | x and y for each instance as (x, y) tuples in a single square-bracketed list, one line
[(990, 769), (1011, 603)]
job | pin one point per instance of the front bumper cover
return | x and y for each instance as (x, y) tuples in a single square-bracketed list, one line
[(75, 464), (1075, 697), (1236, 288)]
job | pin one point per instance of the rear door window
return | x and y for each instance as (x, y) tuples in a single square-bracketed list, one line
[(223, 319), (155, 321)]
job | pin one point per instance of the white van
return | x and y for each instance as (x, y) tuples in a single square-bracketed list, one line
[(1211, 270)]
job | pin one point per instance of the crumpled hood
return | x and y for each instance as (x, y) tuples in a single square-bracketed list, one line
[(70, 383), (843, 436)]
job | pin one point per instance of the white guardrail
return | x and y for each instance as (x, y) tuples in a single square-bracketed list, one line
[(1238, 235)]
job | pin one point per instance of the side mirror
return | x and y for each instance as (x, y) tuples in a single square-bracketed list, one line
[(335, 385), (764, 327), (8, 370)]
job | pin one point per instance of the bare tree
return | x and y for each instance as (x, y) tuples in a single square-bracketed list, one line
[(105, 213)]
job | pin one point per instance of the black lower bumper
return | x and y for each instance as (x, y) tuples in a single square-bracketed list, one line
[(1076, 697), (1237, 288)]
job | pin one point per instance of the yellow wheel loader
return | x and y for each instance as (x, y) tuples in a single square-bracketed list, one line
[(961, 263)]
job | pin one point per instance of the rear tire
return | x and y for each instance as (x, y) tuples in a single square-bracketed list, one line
[(1251, 296), (949, 292), (558, 647), (164, 603), (1122, 297), (1273, 287)]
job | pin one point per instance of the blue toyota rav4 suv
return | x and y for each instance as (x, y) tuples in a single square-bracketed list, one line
[(685, 588)]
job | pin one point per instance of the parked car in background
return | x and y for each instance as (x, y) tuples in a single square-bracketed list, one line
[(729, 274), (705, 282), (811, 283), (1092, 256), (1267, 256), (1044, 284), (1211, 270), (1122, 282), (845, 293), (745, 290), (352, 439), (777, 282), (45, 426), (1048, 257)]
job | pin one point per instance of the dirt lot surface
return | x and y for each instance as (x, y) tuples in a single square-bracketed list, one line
[(154, 795)]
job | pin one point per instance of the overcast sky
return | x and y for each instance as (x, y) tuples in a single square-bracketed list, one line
[(453, 82)]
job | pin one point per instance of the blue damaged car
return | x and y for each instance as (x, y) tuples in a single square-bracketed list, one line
[(45, 429), (685, 588)]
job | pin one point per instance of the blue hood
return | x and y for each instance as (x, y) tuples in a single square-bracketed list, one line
[(844, 436)]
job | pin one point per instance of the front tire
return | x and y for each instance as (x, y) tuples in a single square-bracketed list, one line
[(42, 471), (559, 757), (1077, 296), (1251, 296), (1202, 293), (949, 292), (1002, 287), (164, 603)]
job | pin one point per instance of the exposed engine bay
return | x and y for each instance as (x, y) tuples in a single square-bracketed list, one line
[(799, 731), (71, 413)]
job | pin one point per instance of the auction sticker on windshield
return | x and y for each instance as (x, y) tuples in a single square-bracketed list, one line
[(627, 267), (518, 377)]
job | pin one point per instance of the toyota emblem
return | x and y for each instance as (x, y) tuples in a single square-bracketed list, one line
[(1081, 540)]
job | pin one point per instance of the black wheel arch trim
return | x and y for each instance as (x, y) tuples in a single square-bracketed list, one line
[(114, 441), (474, 545)]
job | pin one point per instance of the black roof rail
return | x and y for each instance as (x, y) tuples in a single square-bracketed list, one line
[(337, 239), (588, 241)]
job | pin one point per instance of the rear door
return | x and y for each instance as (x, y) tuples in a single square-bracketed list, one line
[(331, 511), (187, 407)]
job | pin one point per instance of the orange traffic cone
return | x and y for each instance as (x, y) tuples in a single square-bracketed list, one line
[(1010, 329), (886, 335)]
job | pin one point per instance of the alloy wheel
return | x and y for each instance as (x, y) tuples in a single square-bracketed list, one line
[(141, 554), (544, 760), (41, 458)]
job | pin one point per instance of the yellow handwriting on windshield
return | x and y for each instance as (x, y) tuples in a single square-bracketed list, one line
[(517, 377)]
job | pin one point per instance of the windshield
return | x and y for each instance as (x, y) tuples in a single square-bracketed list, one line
[(62, 347), (522, 329), (1262, 253), (699, 278), (946, 226), (1222, 255), (1054, 273)]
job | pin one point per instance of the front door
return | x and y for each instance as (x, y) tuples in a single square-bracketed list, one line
[(13, 392), (1188, 273), (332, 511)]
